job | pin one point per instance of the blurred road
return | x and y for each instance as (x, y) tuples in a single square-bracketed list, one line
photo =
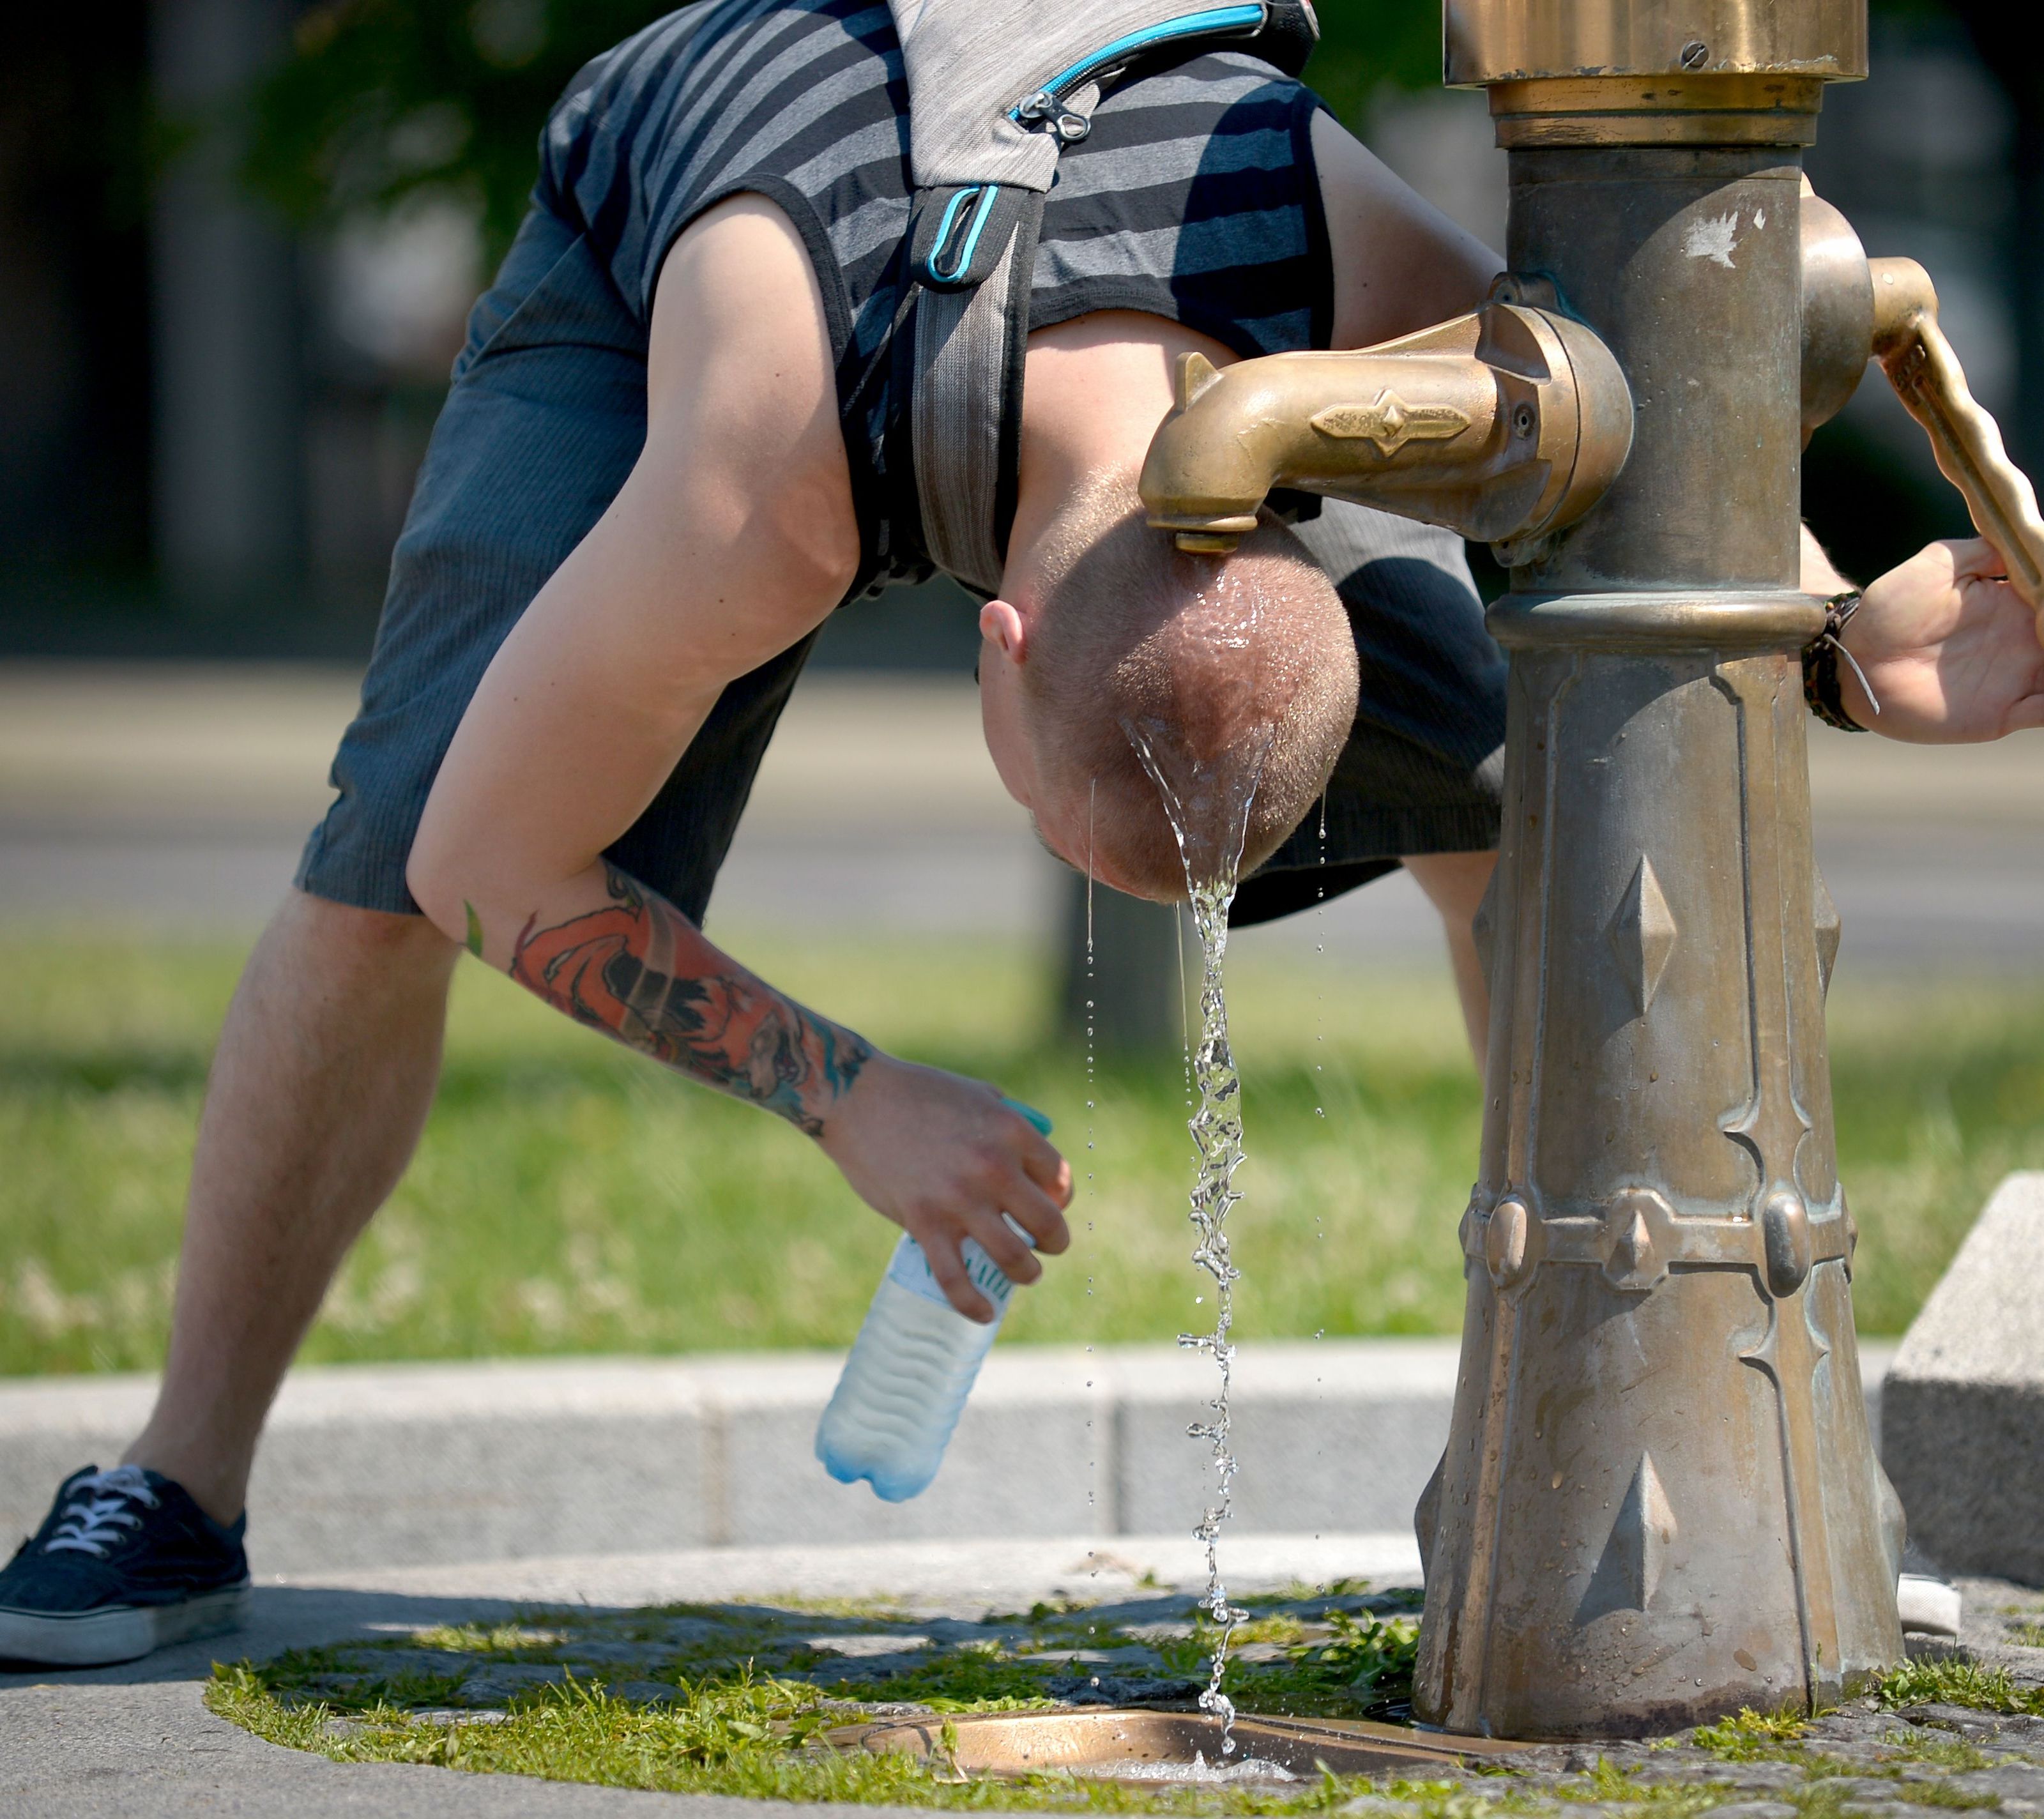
[(175, 799)]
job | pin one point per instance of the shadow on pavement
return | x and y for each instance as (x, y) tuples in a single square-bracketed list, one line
[(280, 1617)]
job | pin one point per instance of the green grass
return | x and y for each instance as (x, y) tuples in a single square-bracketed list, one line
[(569, 1197)]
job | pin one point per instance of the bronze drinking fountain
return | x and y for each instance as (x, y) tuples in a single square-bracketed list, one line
[(1660, 1501)]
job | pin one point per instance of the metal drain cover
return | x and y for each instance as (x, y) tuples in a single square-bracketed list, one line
[(1119, 1742)]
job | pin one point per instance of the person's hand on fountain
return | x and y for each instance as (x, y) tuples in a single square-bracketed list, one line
[(1951, 652), (943, 1157)]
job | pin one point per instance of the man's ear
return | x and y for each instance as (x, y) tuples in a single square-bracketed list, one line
[(1001, 625)]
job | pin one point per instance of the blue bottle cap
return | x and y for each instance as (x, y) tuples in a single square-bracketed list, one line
[(1036, 1118)]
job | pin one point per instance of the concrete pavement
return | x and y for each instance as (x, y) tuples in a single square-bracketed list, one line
[(135, 1741)]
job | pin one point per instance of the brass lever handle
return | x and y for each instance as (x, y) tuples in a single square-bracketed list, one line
[(1925, 374)]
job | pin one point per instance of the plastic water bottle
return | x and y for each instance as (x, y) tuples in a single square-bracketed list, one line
[(911, 1368)]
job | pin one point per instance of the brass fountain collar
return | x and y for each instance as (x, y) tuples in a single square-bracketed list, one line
[(1654, 72)]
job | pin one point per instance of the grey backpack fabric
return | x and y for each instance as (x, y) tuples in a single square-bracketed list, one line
[(996, 89)]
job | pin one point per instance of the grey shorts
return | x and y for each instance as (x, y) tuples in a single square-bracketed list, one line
[(545, 417)]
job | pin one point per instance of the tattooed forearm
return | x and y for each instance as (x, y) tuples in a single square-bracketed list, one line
[(638, 968)]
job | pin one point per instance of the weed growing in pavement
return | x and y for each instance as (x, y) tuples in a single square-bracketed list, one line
[(751, 1737), (741, 1694), (1351, 1666), (1943, 1793), (1909, 1745), (1950, 1682), (753, 1687), (515, 1641), (1748, 1736), (984, 1677)]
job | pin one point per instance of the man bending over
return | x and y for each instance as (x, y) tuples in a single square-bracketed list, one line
[(673, 446)]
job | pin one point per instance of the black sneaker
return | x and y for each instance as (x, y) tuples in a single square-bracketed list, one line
[(124, 1562)]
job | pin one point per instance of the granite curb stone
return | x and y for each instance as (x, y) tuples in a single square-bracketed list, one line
[(398, 1465), (1962, 1412)]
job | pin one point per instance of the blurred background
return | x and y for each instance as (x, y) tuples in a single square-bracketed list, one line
[(241, 237)]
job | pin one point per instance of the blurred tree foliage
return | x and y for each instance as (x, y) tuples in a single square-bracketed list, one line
[(382, 100), (1366, 44)]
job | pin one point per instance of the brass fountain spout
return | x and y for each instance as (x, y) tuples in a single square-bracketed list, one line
[(1505, 425)]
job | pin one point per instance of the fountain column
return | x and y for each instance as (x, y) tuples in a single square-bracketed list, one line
[(1659, 1500)]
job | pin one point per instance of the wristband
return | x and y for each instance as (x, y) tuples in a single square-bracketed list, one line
[(1820, 665)]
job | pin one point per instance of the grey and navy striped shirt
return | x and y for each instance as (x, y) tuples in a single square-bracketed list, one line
[(1195, 198)]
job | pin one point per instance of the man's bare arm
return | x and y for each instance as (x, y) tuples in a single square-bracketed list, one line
[(1400, 264), (732, 540), (734, 537), (640, 971)]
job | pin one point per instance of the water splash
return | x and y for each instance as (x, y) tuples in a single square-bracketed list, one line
[(1198, 1770), (1208, 804)]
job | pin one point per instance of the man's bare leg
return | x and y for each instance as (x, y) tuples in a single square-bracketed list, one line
[(1455, 883), (321, 1085)]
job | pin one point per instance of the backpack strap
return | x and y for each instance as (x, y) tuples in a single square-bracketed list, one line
[(966, 408), (997, 89)]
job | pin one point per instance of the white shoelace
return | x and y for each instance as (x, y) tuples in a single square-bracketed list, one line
[(100, 1507)]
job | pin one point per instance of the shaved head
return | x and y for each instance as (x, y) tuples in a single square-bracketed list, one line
[(1234, 677)]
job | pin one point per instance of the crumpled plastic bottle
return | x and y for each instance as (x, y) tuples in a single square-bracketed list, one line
[(912, 1367)]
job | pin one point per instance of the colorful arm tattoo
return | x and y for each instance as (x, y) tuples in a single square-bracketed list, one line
[(639, 969)]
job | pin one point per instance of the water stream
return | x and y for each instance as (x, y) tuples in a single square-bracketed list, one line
[(1208, 807)]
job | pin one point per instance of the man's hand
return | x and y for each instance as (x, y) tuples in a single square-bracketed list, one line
[(944, 1158), (1952, 653)]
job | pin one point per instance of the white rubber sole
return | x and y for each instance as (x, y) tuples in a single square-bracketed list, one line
[(99, 1638), (1929, 1606)]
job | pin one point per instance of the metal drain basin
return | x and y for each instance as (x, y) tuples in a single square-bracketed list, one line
[(1146, 1744)]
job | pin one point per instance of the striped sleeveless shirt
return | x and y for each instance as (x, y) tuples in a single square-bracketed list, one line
[(1194, 198)]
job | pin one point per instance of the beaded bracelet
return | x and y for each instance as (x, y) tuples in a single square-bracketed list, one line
[(1820, 665)]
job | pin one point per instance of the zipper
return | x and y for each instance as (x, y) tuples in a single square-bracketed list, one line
[(1046, 104)]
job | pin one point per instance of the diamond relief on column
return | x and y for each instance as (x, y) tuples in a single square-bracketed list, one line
[(1629, 1571), (1828, 930), (1642, 934)]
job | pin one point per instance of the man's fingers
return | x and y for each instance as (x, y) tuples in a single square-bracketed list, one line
[(1038, 1213), (948, 1267), (1043, 1164), (2026, 713), (1011, 1256), (1975, 559)]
